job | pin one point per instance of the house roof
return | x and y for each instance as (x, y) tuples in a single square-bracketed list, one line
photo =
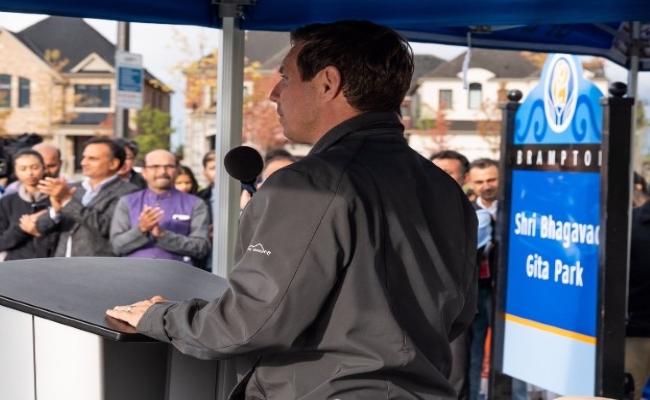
[(502, 63), (74, 39), (423, 63)]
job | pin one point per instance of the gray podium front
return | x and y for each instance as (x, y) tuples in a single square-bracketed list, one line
[(57, 344)]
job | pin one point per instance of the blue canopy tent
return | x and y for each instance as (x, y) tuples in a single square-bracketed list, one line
[(580, 26)]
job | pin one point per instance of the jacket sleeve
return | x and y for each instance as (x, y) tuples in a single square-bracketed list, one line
[(125, 239), (10, 233), (94, 218), (46, 223), (299, 242), (194, 245)]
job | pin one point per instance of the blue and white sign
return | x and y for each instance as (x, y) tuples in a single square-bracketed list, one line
[(554, 226), (130, 80)]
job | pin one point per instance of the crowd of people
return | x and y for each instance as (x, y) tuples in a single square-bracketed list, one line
[(480, 178), (161, 212), (114, 210)]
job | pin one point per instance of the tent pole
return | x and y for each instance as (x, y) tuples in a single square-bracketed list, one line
[(632, 88), (226, 192), (633, 73)]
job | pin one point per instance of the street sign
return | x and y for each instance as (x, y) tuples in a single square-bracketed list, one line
[(129, 80), (554, 158)]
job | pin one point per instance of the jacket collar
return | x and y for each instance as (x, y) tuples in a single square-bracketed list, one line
[(104, 188), (28, 197), (362, 122)]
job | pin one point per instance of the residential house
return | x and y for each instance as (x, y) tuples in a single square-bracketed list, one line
[(447, 115), (422, 64), (264, 52), (57, 79)]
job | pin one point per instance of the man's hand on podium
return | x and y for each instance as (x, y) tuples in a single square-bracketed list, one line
[(131, 314)]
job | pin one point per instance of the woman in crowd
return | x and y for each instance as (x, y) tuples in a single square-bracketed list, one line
[(185, 181), (19, 238)]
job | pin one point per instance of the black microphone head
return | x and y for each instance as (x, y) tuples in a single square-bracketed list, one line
[(243, 163)]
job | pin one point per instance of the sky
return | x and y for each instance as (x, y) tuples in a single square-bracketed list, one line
[(165, 47)]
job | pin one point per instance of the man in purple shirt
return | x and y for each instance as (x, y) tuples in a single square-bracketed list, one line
[(160, 221)]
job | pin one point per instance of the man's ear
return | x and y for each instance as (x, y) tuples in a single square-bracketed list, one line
[(330, 82), (115, 164)]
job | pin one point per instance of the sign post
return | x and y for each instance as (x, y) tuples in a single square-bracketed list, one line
[(550, 322), (130, 80)]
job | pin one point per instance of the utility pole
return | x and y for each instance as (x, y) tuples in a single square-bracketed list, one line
[(121, 120)]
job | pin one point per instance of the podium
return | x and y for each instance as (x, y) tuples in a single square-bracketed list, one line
[(57, 344)]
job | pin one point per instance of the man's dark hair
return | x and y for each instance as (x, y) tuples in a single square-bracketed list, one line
[(209, 156), (451, 155), (131, 144), (277, 154), (28, 152), (482, 163), (375, 62), (640, 180), (117, 151)]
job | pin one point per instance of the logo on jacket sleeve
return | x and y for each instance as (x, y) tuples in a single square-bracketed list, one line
[(258, 248)]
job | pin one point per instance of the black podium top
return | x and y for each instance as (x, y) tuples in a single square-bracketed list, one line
[(77, 291)]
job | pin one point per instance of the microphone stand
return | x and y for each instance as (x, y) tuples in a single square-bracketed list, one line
[(249, 187)]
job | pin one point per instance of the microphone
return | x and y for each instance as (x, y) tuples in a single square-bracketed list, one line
[(244, 164)]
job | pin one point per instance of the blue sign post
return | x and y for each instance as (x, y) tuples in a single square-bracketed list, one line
[(551, 284)]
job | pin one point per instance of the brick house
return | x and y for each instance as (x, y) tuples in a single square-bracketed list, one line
[(57, 79), (261, 129)]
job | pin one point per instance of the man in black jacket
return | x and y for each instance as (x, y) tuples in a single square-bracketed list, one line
[(82, 213), (637, 344), (355, 266)]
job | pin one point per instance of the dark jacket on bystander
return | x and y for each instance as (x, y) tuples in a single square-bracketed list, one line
[(18, 244)]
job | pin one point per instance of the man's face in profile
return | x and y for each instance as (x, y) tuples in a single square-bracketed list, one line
[(210, 170), (296, 100), (452, 167)]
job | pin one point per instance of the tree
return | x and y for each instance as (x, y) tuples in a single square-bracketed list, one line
[(154, 130), (437, 127), (488, 125), (261, 126)]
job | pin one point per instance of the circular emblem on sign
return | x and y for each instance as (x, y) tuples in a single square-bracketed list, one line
[(560, 92)]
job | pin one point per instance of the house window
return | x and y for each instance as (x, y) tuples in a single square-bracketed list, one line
[(92, 96), (23, 92), (5, 91), (475, 96), (444, 99)]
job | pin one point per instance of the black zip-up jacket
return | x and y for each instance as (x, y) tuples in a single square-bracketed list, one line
[(355, 268), (638, 322), (18, 244)]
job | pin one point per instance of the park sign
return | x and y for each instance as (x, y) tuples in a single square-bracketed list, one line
[(129, 80), (553, 163)]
